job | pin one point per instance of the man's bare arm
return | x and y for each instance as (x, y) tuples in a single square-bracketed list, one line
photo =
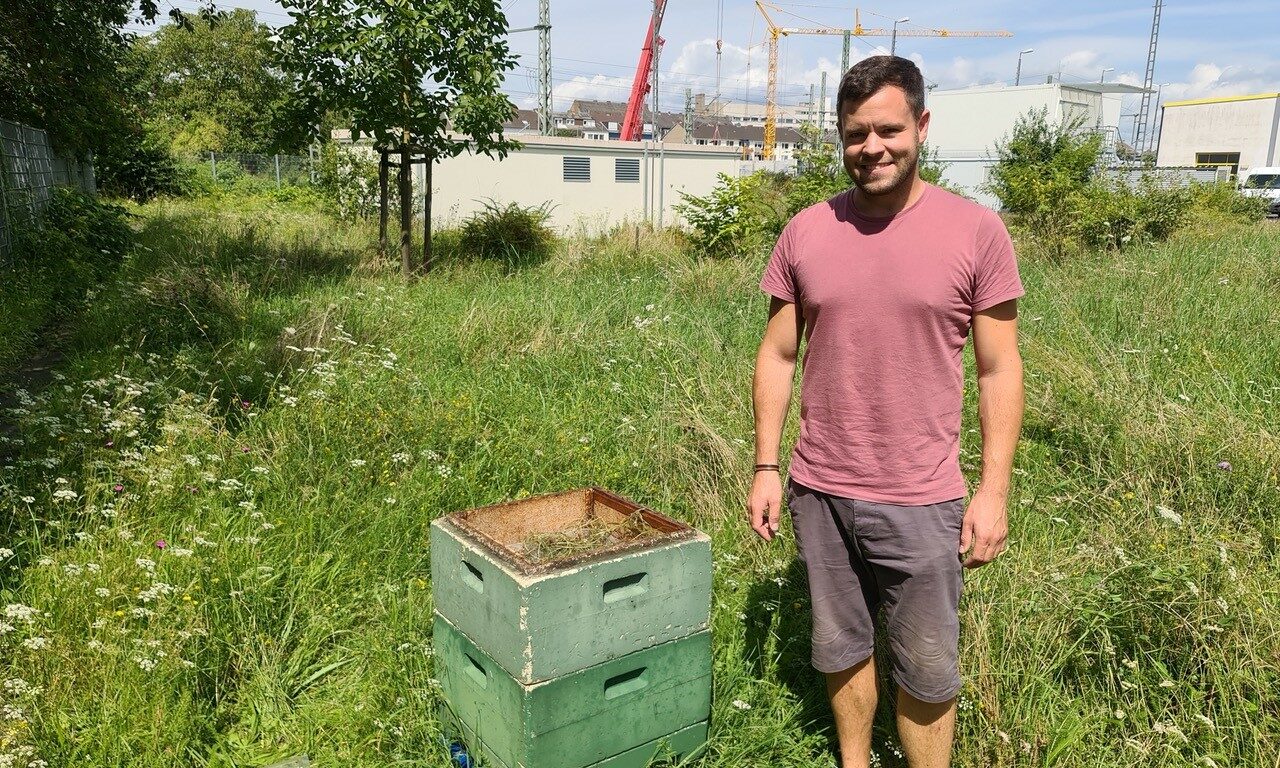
[(1000, 406), (771, 398)]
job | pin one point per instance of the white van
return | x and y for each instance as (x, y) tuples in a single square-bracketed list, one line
[(1263, 181)]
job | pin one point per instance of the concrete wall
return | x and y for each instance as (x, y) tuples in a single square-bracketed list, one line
[(1248, 126), (535, 174)]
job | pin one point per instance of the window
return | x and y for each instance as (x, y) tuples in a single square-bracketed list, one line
[(577, 169), (626, 170), (1262, 181), (1220, 158)]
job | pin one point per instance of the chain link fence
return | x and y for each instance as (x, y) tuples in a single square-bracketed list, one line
[(29, 170), (231, 168)]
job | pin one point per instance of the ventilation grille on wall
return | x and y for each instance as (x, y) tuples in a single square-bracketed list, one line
[(577, 169), (626, 169)]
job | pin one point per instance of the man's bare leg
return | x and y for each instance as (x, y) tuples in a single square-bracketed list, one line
[(853, 702), (926, 731)]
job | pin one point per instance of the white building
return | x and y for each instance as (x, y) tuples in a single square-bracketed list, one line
[(966, 123), (1237, 131), (591, 184)]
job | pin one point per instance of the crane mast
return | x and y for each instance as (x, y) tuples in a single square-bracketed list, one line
[(633, 122)]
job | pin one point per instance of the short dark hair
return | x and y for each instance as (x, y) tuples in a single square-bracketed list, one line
[(873, 73)]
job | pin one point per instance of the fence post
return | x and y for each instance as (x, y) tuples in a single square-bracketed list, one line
[(213, 166), (277, 170), (4, 196)]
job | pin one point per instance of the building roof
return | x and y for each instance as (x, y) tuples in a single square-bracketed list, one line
[(727, 131), (1221, 99), (522, 118), (1106, 87), (603, 112)]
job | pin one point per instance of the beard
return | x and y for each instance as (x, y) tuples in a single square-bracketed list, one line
[(903, 172)]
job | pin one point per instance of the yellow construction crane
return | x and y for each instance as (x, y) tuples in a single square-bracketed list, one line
[(775, 31)]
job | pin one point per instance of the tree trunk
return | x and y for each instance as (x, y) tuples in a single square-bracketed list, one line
[(406, 210), (382, 200), (427, 162)]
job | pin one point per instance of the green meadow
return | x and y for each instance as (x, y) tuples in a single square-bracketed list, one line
[(214, 544)]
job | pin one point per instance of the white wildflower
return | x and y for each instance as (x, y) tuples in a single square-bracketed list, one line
[(1169, 514), (102, 592), (35, 643), (65, 494), (358, 462), (740, 704), (5, 553), (146, 564)]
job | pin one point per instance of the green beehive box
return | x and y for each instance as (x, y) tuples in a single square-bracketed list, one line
[(619, 713), (618, 579)]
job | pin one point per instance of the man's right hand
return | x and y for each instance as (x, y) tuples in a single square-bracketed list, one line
[(764, 506)]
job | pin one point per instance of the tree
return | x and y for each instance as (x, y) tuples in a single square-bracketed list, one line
[(212, 85), (422, 77), (1040, 162), (60, 65)]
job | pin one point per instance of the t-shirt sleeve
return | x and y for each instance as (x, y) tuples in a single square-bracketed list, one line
[(779, 276), (995, 274)]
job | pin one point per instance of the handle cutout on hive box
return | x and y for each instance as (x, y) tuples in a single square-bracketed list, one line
[(476, 671), (627, 682), (472, 577), (627, 586)]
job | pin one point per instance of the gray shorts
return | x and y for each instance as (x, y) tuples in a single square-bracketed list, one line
[(862, 556)]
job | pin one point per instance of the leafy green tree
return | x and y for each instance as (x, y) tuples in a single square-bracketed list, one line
[(422, 78), (1040, 163), (212, 85), (60, 65)]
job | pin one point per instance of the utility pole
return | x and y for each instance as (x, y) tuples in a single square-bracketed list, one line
[(822, 109), (844, 58), (546, 123), (688, 115)]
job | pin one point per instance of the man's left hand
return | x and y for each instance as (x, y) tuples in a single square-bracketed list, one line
[(985, 528)]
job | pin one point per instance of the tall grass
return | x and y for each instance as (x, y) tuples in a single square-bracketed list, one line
[(218, 515)]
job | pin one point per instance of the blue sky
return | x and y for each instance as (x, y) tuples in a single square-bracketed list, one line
[(1224, 48)]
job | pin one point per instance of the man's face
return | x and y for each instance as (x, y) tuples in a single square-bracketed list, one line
[(882, 141)]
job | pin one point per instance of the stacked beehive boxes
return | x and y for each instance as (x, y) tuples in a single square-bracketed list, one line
[(598, 654)]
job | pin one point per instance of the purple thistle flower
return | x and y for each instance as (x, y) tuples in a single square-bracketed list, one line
[(118, 488), (1225, 466), (161, 543)]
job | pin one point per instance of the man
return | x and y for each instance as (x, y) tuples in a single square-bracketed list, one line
[(884, 282)]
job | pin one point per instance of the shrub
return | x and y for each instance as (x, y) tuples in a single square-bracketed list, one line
[(77, 243), (515, 235), (1039, 161), (348, 180), (1224, 199), (738, 216), (1109, 213), (138, 168), (820, 177)]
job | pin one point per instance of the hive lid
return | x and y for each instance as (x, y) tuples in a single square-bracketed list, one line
[(562, 530)]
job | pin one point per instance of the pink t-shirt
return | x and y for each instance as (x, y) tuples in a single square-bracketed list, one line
[(887, 305)]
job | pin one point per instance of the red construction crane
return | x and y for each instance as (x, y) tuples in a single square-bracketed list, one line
[(633, 123)]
